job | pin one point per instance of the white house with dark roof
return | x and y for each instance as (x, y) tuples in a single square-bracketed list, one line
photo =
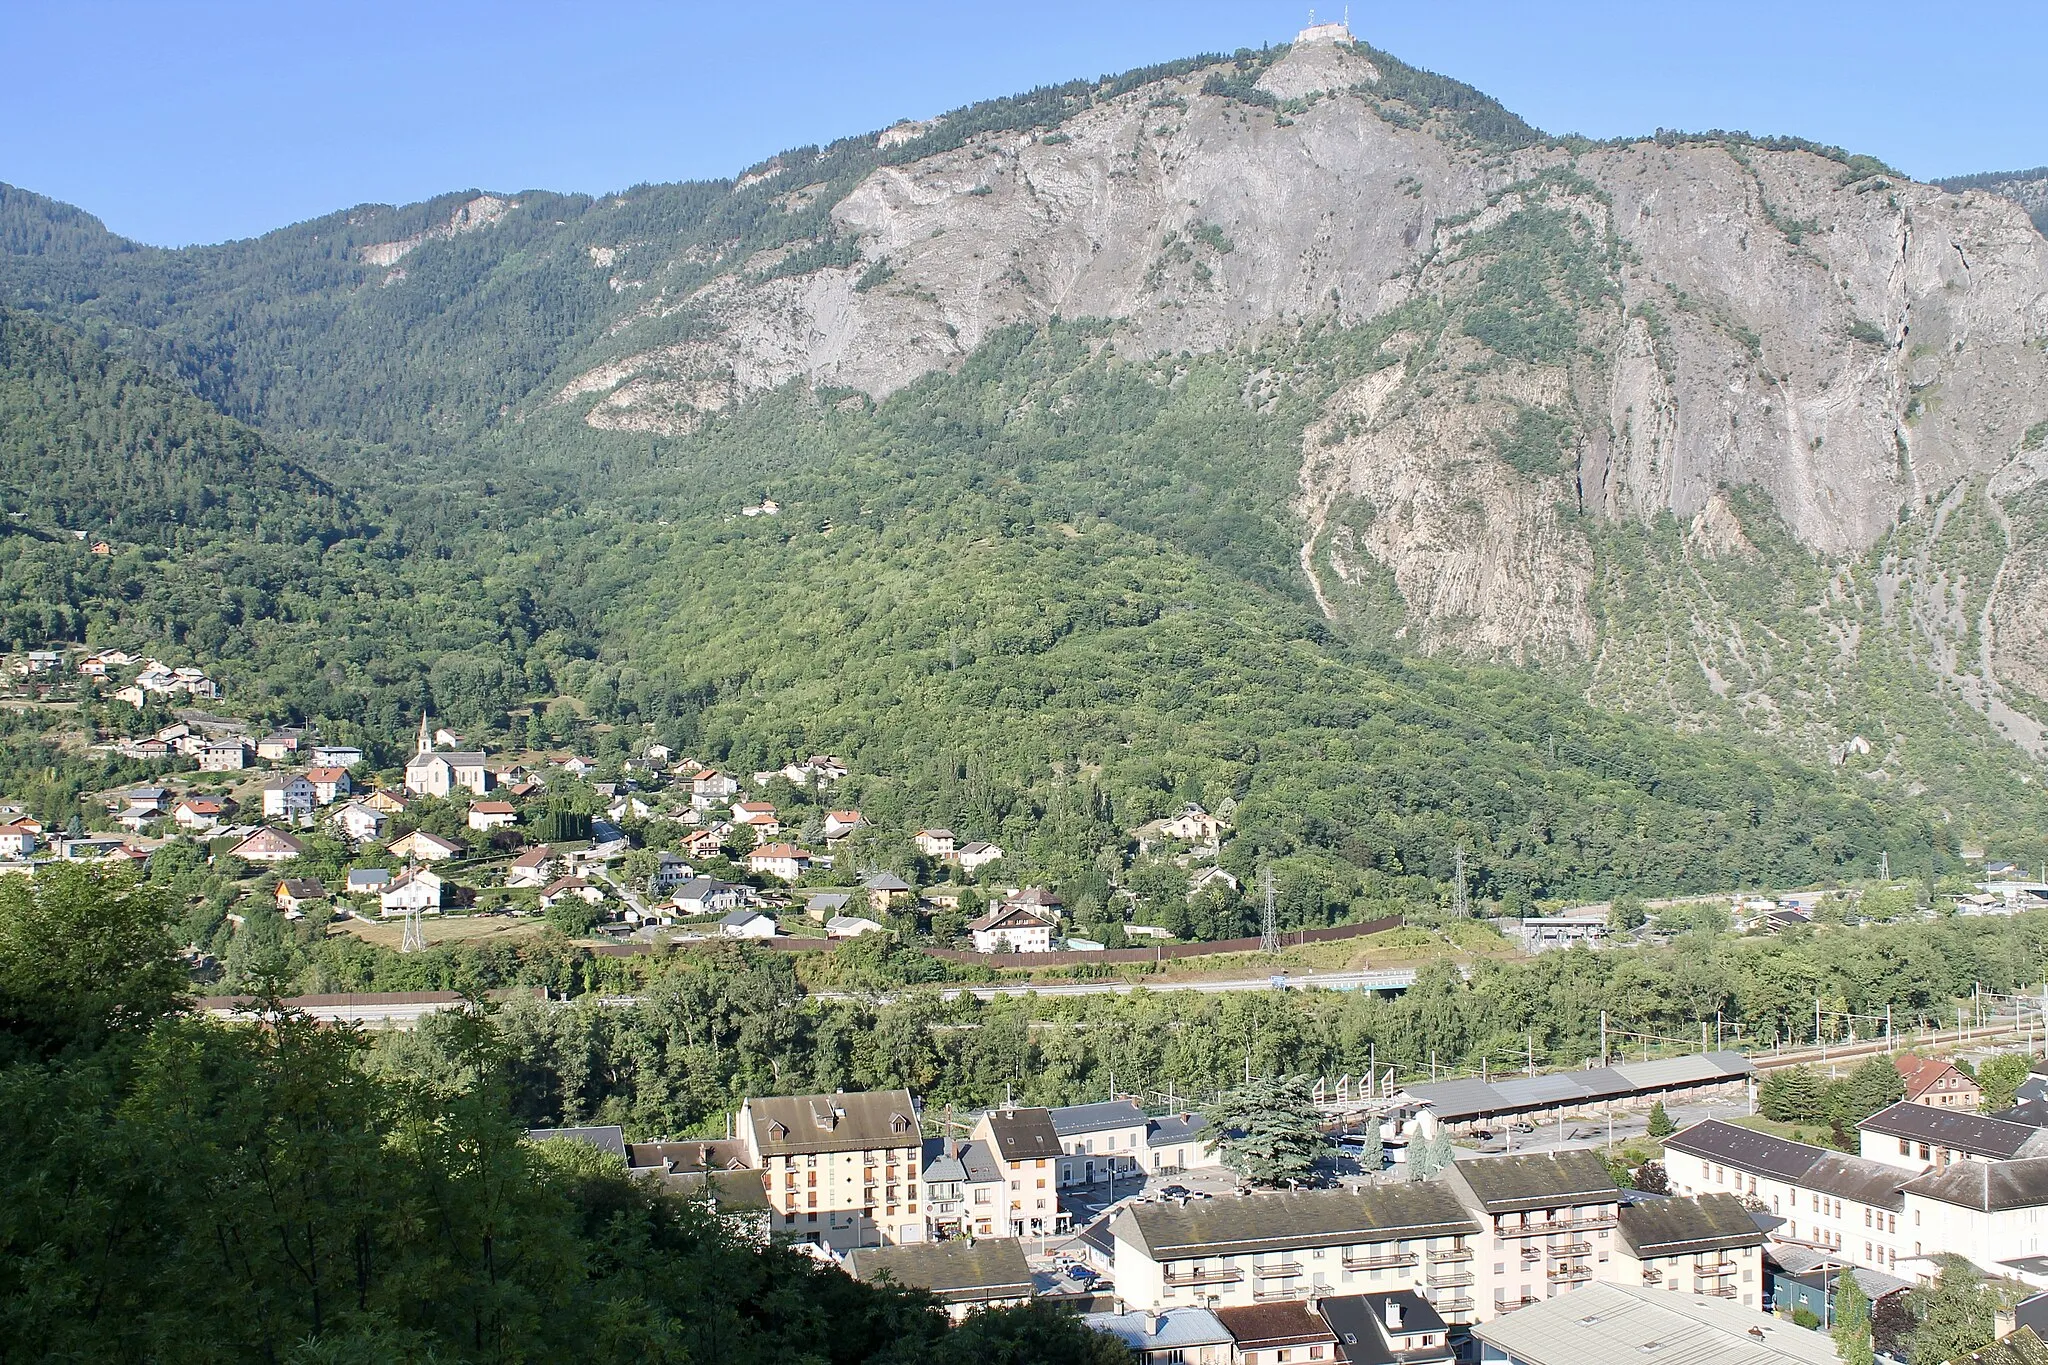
[(1103, 1141), (1027, 1147), (965, 1191), (289, 798), (1011, 929), (415, 889), (1919, 1137)]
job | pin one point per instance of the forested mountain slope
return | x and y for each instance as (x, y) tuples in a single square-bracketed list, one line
[(1120, 426)]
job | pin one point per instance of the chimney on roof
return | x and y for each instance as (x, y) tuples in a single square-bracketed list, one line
[(704, 1156), (1151, 1322), (1393, 1314)]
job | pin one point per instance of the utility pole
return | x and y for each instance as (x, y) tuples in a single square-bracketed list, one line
[(1269, 927), (1603, 1037)]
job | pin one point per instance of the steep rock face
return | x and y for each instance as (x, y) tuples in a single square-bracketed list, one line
[(1574, 340)]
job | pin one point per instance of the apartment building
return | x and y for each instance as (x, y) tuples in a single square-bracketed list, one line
[(1850, 1205), (1286, 1245), (966, 1193), (841, 1170), (1920, 1137), (1709, 1244), (1546, 1222), (1027, 1151), (1100, 1142)]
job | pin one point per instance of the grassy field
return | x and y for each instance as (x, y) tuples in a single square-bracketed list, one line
[(387, 933)]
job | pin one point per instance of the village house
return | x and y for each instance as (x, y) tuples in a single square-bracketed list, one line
[(970, 857), (288, 798), (490, 815), (841, 1170), (758, 816), (368, 881), (359, 821), (842, 824), (933, 843), (567, 888), (330, 783), (710, 787), (783, 861), (670, 872), (705, 843), (535, 867), (1027, 1150), (337, 755), (223, 756), (197, 813), (885, 891), (1936, 1083), (267, 846), (281, 747), (422, 847), (296, 893), (415, 889), (849, 926), (700, 896), (18, 838), (745, 923), (1011, 929), (386, 802)]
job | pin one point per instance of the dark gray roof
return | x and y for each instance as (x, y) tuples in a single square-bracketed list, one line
[(697, 1154), (847, 1121), (1858, 1178), (1363, 1337), (1958, 1130), (1679, 1227), (1093, 1118), (1460, 1101), (971, 1163), (1023, 1134), (2021, 1346), (1510, 1184), (1987, 1186), (1174, 1128), (609, 1138), (1279, 1220), (886, 881), (1745, 1147), (956, 1271)]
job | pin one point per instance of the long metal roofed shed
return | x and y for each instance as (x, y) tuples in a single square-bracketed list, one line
[(1465, 1100), (1747, 1148), (1284, 1220), (955, 1271), (1959, 1131), (606, 1138)]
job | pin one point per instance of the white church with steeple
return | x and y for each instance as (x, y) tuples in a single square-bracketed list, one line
[(438, 772)]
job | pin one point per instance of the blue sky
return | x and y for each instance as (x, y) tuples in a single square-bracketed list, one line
[(183, 122)]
